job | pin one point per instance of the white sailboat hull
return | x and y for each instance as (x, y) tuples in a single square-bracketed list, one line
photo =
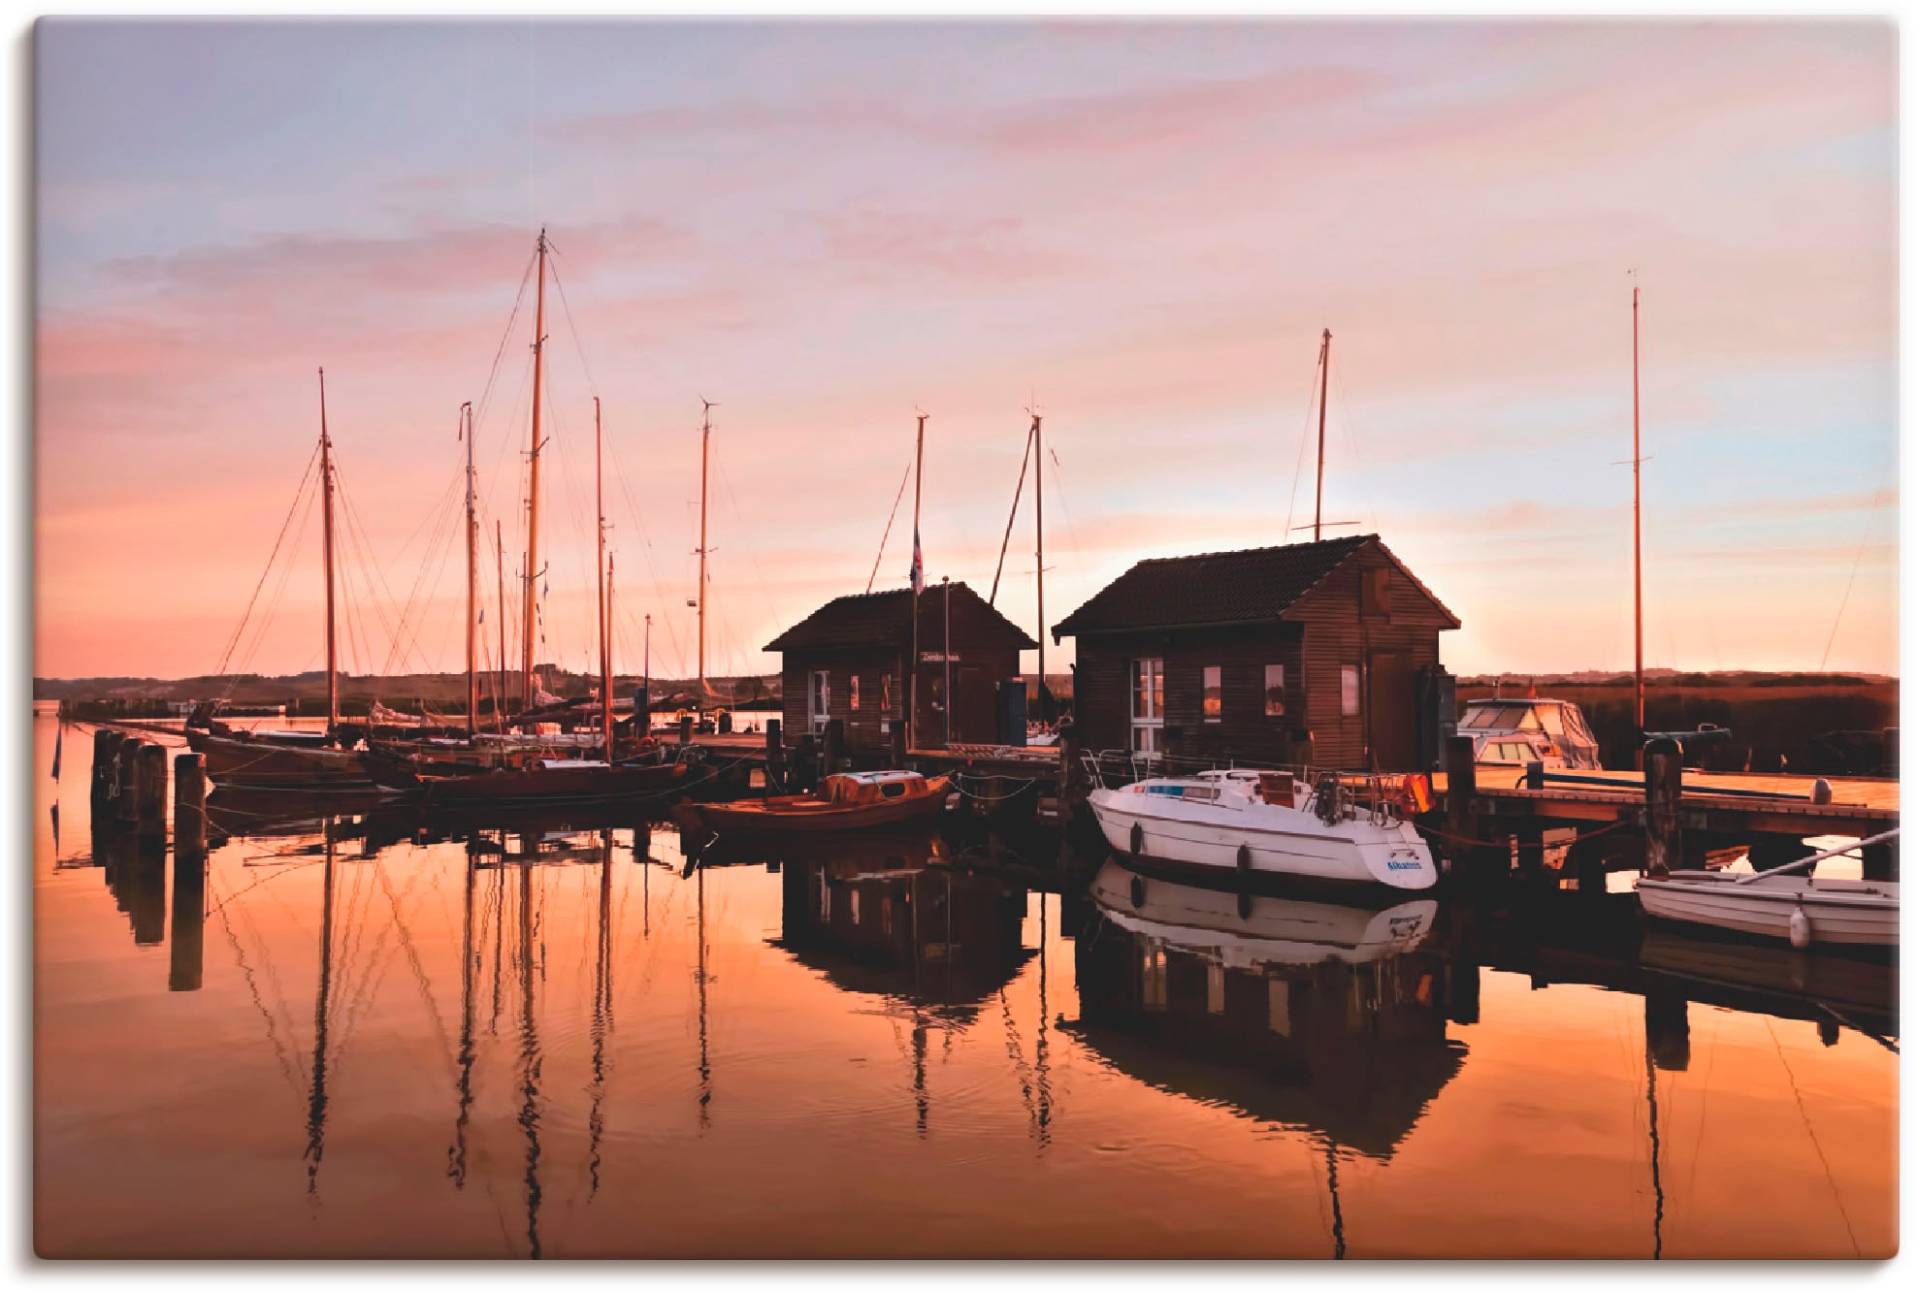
[(1839, 912), (1277, 840)]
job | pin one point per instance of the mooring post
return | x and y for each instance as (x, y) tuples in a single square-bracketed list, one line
[(686, 729), (836, 749), (776, 767), (1880, 861), (189, 806), (1660, 761), (105, 742), (150, 791), (125, 784), (1073, 780), (898, 737), (1463, 787)]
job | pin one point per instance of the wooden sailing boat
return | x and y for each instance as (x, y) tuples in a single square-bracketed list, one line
[(289, 759), (496, 769)]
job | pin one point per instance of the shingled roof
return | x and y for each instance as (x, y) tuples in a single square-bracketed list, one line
[(877, 619), (1222, 587)]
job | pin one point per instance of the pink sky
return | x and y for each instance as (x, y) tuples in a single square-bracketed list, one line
[(822, 226)]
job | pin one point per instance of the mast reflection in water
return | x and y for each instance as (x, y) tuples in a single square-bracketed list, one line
[(549, 1035)]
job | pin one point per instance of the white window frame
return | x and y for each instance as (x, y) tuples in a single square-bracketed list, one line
[(1148, 726), (1350, 696), (886, 703), (819, 699)]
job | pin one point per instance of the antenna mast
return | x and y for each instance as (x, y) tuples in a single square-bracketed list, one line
[(529, 626)]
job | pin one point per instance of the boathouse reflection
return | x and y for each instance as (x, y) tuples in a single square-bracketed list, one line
[(1322, 1017), (878, 918)]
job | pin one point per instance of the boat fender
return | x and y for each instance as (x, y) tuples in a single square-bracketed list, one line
[(1822, 792), (1245, 905), (1137, 839), (1137, 890), (1244, 858), (1799, 929)]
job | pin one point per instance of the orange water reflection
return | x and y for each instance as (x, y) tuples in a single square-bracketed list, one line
[(387, 1036)]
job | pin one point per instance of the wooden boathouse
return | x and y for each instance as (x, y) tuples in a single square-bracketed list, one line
[(848, 660), (1317, 652)]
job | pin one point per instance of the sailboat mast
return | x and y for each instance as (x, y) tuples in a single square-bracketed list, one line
[(529, 628), (1320, 470), (326, 523), (1639, 658), (500, 626), (606, 665), (913, 664), (473, 580), (706, 431), (603, 576), (1039, 559)]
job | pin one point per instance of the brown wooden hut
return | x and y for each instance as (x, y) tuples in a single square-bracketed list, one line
[(1321, 652), (849, 659)]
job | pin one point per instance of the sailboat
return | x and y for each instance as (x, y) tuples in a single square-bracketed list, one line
[(289, 759), (503, 769)]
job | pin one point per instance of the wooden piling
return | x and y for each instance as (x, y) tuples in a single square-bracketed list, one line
[(150, 791), (1463, 786), (836, 746), (125, 802), (1880, 861), (686, 730), (776, 770), (106, 744), (1660, 763), (897, 736), (189, 807)]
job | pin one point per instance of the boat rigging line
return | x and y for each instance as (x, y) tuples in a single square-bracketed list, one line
[(1026, 455), (899, 493)]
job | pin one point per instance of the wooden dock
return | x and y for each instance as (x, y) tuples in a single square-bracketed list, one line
[(1718, 801)]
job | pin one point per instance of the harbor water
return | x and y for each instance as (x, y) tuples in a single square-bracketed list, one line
[(362, 1031)]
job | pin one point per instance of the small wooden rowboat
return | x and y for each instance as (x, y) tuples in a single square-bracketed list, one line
[(545, 781), (851, 801)]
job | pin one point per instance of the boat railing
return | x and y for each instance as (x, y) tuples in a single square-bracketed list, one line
[(1381, 798)]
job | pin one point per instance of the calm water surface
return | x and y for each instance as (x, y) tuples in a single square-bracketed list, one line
[(381, 1035)]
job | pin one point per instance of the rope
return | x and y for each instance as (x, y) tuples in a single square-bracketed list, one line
[(1461, 840), (902, 492), (291, 508), (1026, 453)]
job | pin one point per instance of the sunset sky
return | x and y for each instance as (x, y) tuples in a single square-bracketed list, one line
[(1143, 227)]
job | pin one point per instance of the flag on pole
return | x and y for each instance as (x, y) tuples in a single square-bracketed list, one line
[(916, 575)]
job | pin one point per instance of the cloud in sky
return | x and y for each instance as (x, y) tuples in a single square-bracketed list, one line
[(822, 226)]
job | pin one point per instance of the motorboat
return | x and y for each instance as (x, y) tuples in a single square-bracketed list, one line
[(850, 800), (1797, 908), (1514, 732), (1345, 829)]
